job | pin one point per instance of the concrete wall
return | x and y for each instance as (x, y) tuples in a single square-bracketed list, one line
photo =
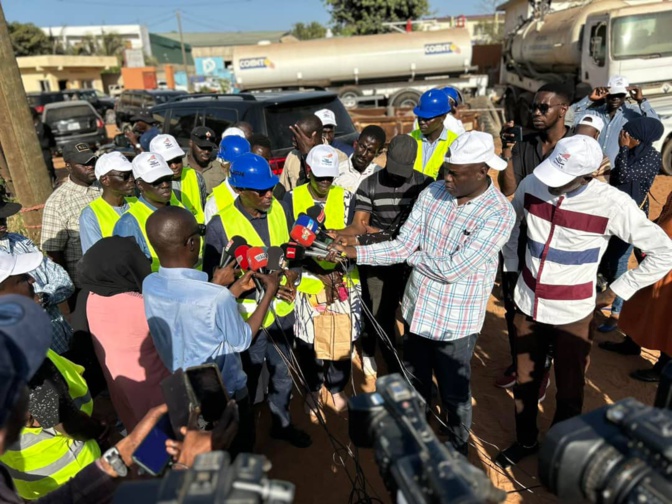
[(72, 71)]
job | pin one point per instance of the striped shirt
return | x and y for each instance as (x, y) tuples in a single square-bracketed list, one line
[(566, 237), (454, 253)]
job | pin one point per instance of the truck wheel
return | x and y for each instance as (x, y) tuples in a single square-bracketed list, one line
[(348, 95), (525, 109), (667, 157), (406, 99)]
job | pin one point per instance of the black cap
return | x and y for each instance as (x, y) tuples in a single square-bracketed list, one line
[(77, 152), (401, 155), (204, 137), (7, 209), (144, 115)]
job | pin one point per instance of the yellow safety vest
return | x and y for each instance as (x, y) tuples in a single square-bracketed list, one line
[(141, 212), (105, 214), (431, 169), (191, 194), (236, 224), (334, 212), (223, 197), (44, 459)]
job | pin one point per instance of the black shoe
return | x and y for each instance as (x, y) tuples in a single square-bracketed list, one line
[(514, 454), (647, 375), (292, 435), (625, 347)]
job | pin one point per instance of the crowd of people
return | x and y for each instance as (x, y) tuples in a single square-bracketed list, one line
[(177, 259)]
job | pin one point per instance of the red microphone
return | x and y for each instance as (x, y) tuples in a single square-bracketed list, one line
[(257, 260), (241, 256), (305, 237)]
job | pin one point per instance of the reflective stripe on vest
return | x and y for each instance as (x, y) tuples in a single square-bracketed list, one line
[(191, 194), (236, 224), (436, 160), (222, 195), (141, 212), (106, 215)]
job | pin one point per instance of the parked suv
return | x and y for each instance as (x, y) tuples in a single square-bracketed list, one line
[(101, 102), (131, 101), (39, 100), (270, 113), (72, 121)]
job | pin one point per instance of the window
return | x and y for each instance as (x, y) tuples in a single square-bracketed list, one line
[(182, 122), (218, 119), (644, 35), (86, 84), (45, 85), (598, 43), (70, 112)]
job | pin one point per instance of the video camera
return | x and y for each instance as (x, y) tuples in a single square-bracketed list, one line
[(617, 454), (416, 467), (212, 479)]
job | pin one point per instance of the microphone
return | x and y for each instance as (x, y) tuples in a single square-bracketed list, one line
[(304, 220), (292, 251), (305, 237), (229, 251), (257, 259), (241, 256), (276, 258), (317, 214)]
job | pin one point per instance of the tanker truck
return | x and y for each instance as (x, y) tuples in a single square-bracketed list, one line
[(584, 45), (393, 68)]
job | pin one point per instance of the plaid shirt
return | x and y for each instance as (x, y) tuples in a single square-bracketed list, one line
[(453, 250), (60, 221)]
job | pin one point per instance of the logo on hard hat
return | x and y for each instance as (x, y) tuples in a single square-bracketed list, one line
[(254, 63), (441, 48)]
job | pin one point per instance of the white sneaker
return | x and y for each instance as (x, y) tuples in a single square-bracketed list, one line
[(369, 365)]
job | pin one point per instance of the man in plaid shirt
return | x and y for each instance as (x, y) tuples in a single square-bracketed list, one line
[(451, 239)]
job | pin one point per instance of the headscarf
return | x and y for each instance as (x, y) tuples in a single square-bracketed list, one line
[(645, 129), (112, 266)]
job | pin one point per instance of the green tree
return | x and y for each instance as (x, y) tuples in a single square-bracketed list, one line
[(363, 17), (313, 30), (28, 40)]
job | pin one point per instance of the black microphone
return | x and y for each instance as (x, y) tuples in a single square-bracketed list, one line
[(276, 258), (293, 251), (228, 252)]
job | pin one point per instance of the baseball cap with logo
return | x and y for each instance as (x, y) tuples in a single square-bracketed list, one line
[(618, 85), (18, 264), (150, 167), (401, 154), (78, 152), (572, 157), (204, 137), (593, 121), (474, 147), (167, 146), (323, 161), (112, 161), (327, 117), (233, 131)]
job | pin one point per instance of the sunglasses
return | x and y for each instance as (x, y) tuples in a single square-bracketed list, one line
[(121, 175), (160, 181), (259, 192), (428, 119), (543, 107), (199, 231)]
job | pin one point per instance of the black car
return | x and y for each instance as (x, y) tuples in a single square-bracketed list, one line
[(132, 101), (39, 100), (101, 102), (72, 121), (269, 113)]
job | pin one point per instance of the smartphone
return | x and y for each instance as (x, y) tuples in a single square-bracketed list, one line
[(208, 388), (151, 454), (515, 132), (180, 400)]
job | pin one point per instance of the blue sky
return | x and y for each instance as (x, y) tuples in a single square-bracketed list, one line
[(198, 15)]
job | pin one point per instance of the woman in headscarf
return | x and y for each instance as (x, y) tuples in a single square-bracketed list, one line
[(636, 167), (111, 274)]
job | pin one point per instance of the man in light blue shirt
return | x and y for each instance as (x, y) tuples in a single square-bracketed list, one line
[(193, 321), (615, 111)]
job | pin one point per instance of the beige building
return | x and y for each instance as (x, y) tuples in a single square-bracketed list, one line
[(55, 72)]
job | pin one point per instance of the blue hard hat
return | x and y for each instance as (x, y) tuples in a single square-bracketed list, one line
[(454, 94), (432, 103), (249, 171), (231, 147)]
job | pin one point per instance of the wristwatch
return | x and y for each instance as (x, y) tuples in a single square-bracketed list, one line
[(138, 146), (113, 457)]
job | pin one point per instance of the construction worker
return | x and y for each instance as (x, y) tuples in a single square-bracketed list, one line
[(432, 136), (262, 220), (115, 174), (46, 456), (318, 292), (223, 195), (153, 178), (188, 185)]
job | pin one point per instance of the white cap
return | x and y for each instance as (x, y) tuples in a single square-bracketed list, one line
[(112, 161), (572, 157), (323, 161), (150, 167), (233, 131), (327, 117), (618, 85), (474, 147), (167, 146), (593, 121), (18, 264)]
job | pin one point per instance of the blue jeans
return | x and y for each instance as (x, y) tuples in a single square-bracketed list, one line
[(450, 361), (617, 257)]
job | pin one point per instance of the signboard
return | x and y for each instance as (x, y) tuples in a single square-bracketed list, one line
[(212, 67), (134, 58)]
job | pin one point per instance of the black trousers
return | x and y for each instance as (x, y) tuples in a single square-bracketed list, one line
[(334, 375)]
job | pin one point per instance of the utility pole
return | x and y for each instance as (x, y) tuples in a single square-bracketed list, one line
[(18, 138), (184, 51)]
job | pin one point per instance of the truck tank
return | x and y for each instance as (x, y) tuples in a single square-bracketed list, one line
[(553, 44), (329, 61)]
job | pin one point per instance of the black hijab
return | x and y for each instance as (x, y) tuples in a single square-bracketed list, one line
[(645, 129)]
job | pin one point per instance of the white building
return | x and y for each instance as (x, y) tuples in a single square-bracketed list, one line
[(135, 36)]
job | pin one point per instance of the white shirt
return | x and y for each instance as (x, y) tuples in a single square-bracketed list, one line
[(566, 238), (211, 205), (349, 177)]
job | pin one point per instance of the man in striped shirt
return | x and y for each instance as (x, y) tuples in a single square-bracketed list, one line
[(570, 218), (451, 239)]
